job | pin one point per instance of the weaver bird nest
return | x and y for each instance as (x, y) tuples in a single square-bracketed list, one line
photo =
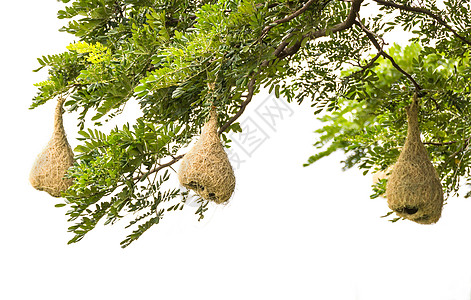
[(414, 190), (206, 169), (52, 163)]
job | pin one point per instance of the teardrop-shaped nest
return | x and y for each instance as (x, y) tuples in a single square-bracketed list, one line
[(51, 165), (206, 169), (414, 190)]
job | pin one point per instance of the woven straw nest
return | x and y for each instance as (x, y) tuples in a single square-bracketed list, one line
[(206, 169), (414, 190), (53, 162)]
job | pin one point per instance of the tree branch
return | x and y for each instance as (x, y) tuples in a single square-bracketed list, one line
[(160, 167), (426, 12), (367, 66), (279, 53), (348, 23), (250, 89), (439, 144), (375, 42), (287, 19)]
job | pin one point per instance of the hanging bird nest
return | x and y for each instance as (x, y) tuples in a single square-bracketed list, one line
[(53, 162), (206, 169), (414, 190)]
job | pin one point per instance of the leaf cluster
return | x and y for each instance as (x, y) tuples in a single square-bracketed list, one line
[(179, 58), (370, 126)]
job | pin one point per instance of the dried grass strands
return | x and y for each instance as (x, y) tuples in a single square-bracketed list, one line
[(414, 190), (47, 173), (206, 169)]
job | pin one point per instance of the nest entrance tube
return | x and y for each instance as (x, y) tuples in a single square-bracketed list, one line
[(47, 173), (206, 169), (414, 190)]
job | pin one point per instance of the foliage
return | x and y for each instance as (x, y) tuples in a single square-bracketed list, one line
[(178, 58), (370, 125)]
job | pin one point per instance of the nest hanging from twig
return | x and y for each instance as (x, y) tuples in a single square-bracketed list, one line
[(47, 173), (206, 169), (414, 190)]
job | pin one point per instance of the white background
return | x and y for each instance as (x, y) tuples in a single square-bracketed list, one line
[(289, 232)]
